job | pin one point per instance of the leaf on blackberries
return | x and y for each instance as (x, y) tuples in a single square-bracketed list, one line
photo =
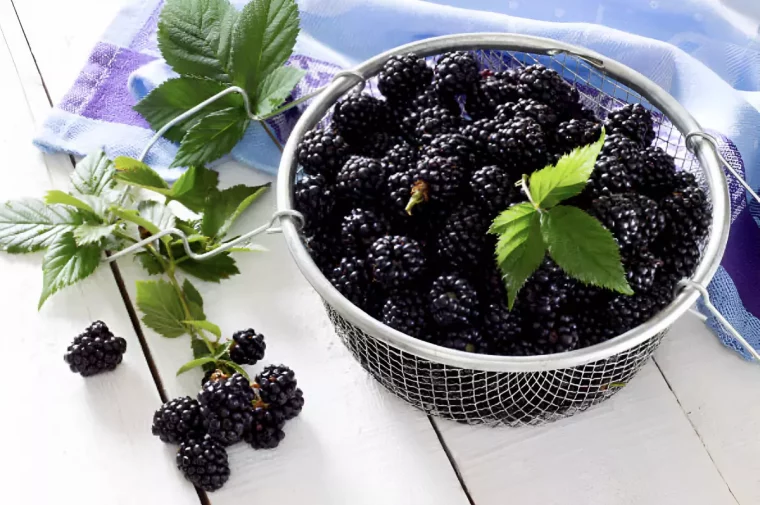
[(194, 300), (214, 269), (56, 196), (150, 263)]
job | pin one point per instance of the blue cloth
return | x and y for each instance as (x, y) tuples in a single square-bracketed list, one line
[(689, 47)]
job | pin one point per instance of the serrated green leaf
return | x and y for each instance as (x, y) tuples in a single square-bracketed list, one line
[(158, 214), (150, 263), (161, 308), (176, 96), (263, 40), (137, 173), (239, 369), (30, 225), (194, 300), (193, 187), (189, 34), (93, 174), (214, 269), (212, 137), (133, 216), (520, 248), (65, 263), (583, 248), (223, 349), (206, 325), (224, 207), (226, 31), (553, 184), (92, 233), (515, 213), (275, 88), (194, 364), (56, 196), (188, 227), (199, 347)]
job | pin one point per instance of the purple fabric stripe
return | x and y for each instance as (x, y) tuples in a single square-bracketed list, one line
[(741, 260)]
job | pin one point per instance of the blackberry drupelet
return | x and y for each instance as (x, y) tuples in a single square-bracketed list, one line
[(435, 179), (403, 77), (554, 333), (634, 121), (684, 180), (545, 292), (396, 261), (94, 351), (547, 86), (634, 220), (542, 113), (434, 121), (401, 158), (314, 199), (453, 302), (641, 268), (492, 189), (359, 115), (407, 313), (248, 347), (454, 146), (203, 461), (361, 180), (351, 278), (266, 428), (322, 152), (276, 384), (658, 173), (226, 408), (462, 241), (575, 133), (455, 73), (489, 93), (501, 327), (177, 420), (687, 214), (520, 144), (464, 339), (360, 228)]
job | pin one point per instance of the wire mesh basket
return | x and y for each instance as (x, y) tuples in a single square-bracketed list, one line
[(505, 390)]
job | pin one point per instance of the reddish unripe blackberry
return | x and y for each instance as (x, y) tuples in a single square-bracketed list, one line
[(455, 73), (634, 121), (462, 241), (403, 77), (226, 408), (360, 228), (453, 302), (177, 420), (406, 312), (542, 113), (359, 115), (361, 180), (351, 278), (94, 351), (276, 384), (248, 347), (491, 92), (322, 152), (520, 144), (492, 189), (203, 461), (396, 261)]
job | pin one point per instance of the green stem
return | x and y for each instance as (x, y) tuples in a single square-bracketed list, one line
[(526, 190), (270, 133), (292, 104)]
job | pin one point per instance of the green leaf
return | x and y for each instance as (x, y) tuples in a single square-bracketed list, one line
[(239, 369), (583, 248), (206, 325), (133, 216), (92, 233), (223, 349), (176, 96), (193, 187), (520, 249), (263, 40), (189, 228), (224, 207), (150, 263), (567, 178), (137, 173), (212, 137), (56, 196), (275, 88), (93, 174), (214, 269), (194, 364), (189, 36), (30, 225), (161, 308), (199, 347), (157, 213), (65, 263), (226, 31), (194, 300)]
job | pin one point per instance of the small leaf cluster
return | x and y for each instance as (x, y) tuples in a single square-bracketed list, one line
[(576, 241), (212, 46)]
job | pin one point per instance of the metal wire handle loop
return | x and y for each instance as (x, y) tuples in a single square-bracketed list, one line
[(712, 140), (597, 62), (265, 228), (688, 283)]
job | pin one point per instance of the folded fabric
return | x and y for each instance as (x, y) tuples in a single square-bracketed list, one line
[(709, 65)]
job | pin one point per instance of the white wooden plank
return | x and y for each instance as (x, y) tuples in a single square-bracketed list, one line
[(635, 449), (718, 391), (88, 439)]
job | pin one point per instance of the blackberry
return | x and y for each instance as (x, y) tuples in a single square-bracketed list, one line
[(314, 199), (625, 151), (406, 312), (435, 121), (453, 302), (322, 152), (548, 87), (266, 428), (403, 77), (396, 261), (213, 375), (435, 179), (177, 420), (226, 408), (640, 269), (203, 461), (575, 133), (248, 347), (401, 158), (634, 121), (521, 347), (350, 277), (626, 312), (594, 327), (679, 260), (462, 241), (455, 73), (634, 220), (464, 339), (542, 113), (610, 176), (357, 116), (546, 291), (658, 173), (492, 189), (489, 93), (376, 145), (684, 180), (520, 144), (488, 280), (361, 180), (276, 384), (290, 408), (360, 228), (479, 132), (501, 327), (94, 351), (454, 146), (687, 214), (553, 334), (321, 246)]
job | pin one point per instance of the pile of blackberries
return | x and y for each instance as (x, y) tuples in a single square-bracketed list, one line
[(399, 192), (227, 410)]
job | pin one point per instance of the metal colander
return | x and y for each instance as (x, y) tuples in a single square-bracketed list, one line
[(504, 390)]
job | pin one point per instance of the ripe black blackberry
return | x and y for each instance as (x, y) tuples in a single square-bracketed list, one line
[(94, 351), (248, 347), (290, 408), (542, 113), (679, 260), (266, 428), (594, 327), (360, 228), (203, 461), (641, 268), (435, 179), (634, 121), (213, 374), (401, 158), (501, 326), (545, 292), (358, 115), (226, 408), (322, 152), (453, 302), (489, 93), (657, 178), (320, 242), (455, 73), (634, 220), (376, 145), (314, 199), (351, 278), (547, 86), (455, 146), (434, 121), (403, 77), (610, 176), (575, 133), (626, 312), (177, 420), (406, 312), (464, 339), (361, 180), (276, 384), (684, 180), (478, 134), (396, 261), (553, 334), (462, 241), (628, 152), (687, 213), (520, 144), (492, 189)]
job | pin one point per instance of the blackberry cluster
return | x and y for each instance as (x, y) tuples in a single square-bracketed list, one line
[(94, 351), (400, 192)]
